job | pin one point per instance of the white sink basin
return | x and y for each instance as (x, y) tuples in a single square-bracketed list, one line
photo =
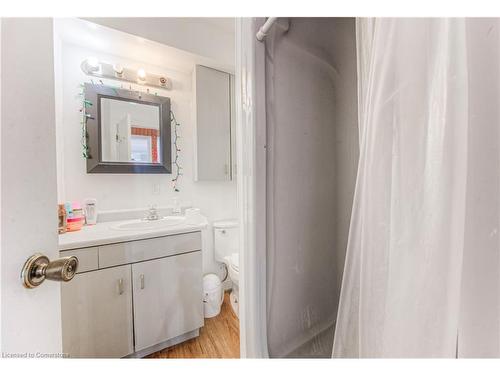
[(166, 221)]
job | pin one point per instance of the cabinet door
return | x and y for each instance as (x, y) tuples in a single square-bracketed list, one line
[(213, 125), (97, 314), (167, 298)]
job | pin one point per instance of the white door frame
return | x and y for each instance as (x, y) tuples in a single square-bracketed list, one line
[(251, 182)]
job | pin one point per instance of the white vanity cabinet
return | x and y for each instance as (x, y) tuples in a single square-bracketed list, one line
[(166, 298), (97, 314), (132, 298)]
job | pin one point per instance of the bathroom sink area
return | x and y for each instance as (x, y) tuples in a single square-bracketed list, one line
[(142, 224), (131, 229)]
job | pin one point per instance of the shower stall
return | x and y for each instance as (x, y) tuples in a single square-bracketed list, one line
[(312, 155), (369, 187), (310, 135)]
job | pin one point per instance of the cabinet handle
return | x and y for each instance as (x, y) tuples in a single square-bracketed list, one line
[(120, 286), (142, 281)]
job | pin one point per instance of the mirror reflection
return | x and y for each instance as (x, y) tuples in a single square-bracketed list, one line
[(130, 131)]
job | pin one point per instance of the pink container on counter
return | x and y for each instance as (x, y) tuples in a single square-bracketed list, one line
[(75, 223)]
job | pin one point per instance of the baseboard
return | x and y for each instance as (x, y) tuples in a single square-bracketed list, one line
[(165, 344)]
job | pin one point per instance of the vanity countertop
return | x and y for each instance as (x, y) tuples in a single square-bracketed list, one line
[(103, 234)]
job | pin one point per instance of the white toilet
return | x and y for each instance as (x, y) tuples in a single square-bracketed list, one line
[(227, 252)]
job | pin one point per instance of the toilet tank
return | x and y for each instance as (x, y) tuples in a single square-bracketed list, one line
[(225, 238)]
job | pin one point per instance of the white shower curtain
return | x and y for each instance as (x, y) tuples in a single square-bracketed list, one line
[(402, 292)]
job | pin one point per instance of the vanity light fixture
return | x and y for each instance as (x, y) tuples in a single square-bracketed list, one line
[(93, 67)]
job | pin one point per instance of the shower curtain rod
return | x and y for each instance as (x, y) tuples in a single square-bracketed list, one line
[(265, 28)]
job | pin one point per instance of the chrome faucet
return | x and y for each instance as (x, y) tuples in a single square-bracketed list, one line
[(152, 214)]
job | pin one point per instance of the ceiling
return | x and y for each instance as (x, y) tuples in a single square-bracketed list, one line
[(184, 41)]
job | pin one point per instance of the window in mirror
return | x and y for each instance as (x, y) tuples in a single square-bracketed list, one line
[(143, 149)]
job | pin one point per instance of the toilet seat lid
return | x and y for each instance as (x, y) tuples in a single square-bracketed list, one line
[(235, 261), (223, 224)]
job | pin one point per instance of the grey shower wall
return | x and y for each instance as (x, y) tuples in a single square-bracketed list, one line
[(312, 156), (479, 330)]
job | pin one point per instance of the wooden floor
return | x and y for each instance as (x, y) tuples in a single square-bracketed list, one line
[(219, 338)]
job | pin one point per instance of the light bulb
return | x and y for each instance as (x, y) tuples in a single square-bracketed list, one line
[(118, 69), (93, 64), (141, 74)]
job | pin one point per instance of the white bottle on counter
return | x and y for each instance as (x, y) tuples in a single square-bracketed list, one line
[(90, 210)]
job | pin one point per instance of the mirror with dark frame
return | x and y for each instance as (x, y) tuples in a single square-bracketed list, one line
[(128, 131)]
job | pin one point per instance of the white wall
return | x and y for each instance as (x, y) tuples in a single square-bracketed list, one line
[(217, 200)]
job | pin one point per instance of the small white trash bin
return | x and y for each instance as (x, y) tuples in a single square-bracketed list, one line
[(212, 295)]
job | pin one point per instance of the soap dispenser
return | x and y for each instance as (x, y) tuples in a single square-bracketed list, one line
[(90, 209)]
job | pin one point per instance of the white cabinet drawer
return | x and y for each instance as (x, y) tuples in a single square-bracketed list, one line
[(141, 250), (88, 258)]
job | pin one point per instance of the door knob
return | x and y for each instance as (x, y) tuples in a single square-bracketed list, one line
[(38, 268)]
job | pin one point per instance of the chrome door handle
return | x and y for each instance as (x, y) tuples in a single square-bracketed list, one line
[(120, 287), (142, 281), (38, 268)]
